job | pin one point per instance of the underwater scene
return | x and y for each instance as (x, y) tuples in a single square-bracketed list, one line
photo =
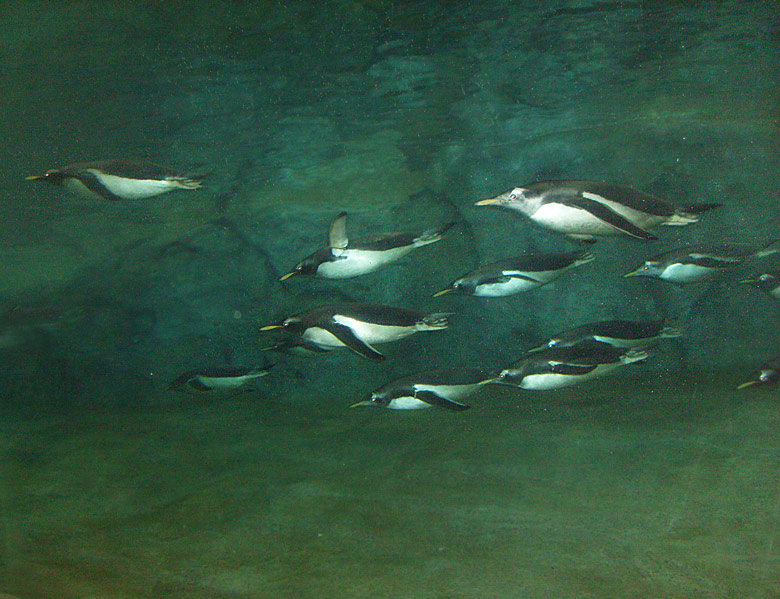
[(375, 299)]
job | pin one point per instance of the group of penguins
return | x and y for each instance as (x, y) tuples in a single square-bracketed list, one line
[(582, 210)]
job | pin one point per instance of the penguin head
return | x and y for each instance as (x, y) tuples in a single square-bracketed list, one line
[(650, 268), (768, 376), (465, 286), (517, 199), (307, 267), (53, 177), (510, 376), (765, 282), (376, 399)]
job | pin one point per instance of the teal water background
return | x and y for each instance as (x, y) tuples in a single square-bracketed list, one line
[(660, 481)]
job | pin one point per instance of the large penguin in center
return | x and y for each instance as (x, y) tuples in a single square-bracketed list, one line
[(358, 326), (343, 258), (117, 179), (584, 209)]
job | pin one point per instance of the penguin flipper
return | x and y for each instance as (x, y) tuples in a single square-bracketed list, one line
[(91, 182), (434, 399), (612, 218), (337, 234), (516, 274), (570, 368), (347, 336)]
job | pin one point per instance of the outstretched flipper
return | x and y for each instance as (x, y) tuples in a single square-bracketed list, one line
[(344, 334), (434, 399), (337, 234), (610, 217)]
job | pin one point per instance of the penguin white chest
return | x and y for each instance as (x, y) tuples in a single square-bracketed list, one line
[(503, 288), (687, 273), (375, 333), (775, 293), (353, 263), (567, 219), (407, 402), (548, 380), (132, 189)]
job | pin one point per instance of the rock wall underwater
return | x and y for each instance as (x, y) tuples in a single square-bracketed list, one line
[(403, 115)]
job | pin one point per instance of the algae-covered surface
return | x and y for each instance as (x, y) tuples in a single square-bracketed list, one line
[(622, 489), (660, 480)]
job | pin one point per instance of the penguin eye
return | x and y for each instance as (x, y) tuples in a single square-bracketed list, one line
[(512, 196), (764, 278)]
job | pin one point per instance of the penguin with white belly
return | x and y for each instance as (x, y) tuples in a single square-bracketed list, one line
[(343, 258), (223, 380), (559, 367), (358, 326), (440, 388), (588, 209), (515, 275), (695, 263), (117, 179)]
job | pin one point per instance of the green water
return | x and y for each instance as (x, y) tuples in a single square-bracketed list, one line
[(659, 480)]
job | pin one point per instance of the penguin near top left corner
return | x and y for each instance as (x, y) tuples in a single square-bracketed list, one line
[(584, 210), (117, 179)]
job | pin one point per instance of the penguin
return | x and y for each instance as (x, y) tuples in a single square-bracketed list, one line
[(343, 260), (768, 282), (358, 326), (625, 334), (768, 374), (440, 388), (695, 263), (217, 379), (117, 179), (559, 367), (508, 277), (586, 209)]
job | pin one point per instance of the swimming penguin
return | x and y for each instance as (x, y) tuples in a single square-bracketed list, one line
[(559, 367), (343, 259), (217, 379), (358, 326), (584, 209), (626, 334), (515, 275), (768, 282), (695, 263), (440, 388), (768, 374), (117, 179)]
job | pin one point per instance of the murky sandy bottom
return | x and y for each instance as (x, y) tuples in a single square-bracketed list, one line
[(613, 489)]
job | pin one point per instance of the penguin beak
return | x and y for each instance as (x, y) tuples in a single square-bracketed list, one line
[(488, 202), (366, 402), (271, 327), (488, 381), (443, 291), (634, 273), (34, 177), (748, 282), (288, 275), (748, 384)]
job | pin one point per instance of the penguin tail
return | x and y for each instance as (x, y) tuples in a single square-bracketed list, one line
[(634, 355), (686, 215), (185, 182), (670, 333), (435, 321), (432, 235), (773, 247)]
